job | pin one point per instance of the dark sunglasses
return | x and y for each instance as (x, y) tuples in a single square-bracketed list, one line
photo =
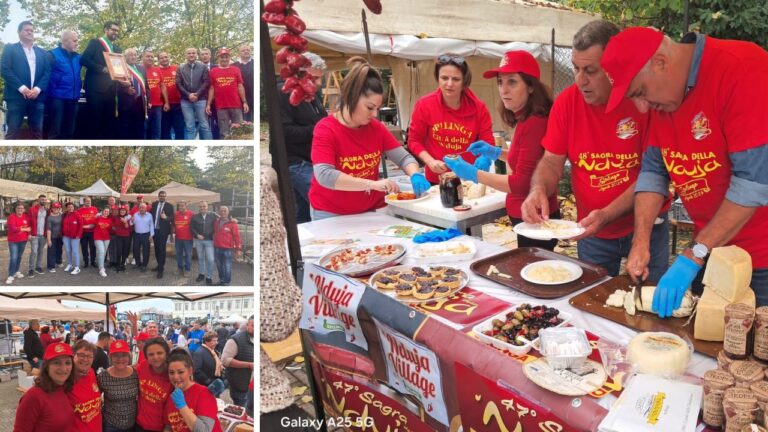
[(445, 59)]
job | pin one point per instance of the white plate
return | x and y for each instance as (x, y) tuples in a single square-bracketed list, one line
[(443, 252), (426, 195), (566, 229), (566, 382), (514, 349), (572, 268)]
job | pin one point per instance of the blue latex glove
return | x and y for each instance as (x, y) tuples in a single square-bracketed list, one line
[(483, 163), (437, 236), (482, 148), (178, 398), (672, 286), (420, 184), (461, 168)]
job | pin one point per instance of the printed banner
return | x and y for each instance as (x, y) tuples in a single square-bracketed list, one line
[(413, 369), (131, 168), (330, 303), (465, 308)]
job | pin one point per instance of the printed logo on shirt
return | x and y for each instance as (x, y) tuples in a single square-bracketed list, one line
[(360, 166), (610, 169), (694, 165), (177, 422), (692, 189), (700, 126), (88, 411), (451, 135), (626, 128)]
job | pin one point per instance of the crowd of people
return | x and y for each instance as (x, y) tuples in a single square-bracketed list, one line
[(117, 234), (170, 386), (644, 112), (200, 98)]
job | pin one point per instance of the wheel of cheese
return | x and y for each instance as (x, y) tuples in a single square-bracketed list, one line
[(659, 353)]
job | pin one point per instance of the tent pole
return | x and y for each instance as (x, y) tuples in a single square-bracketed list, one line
[(367, 38), (554, 62), (106, 321), (277, 145)]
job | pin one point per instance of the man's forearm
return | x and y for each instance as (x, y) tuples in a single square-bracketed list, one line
[(647, 206), (239, 364), (727, 222)]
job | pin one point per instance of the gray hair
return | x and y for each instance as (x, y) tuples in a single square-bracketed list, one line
[(67, 33), (126, 52), (317, 62), (597, 32)]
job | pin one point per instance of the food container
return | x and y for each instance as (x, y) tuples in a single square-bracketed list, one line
[(760, 389), (450, 251), (760, 347), (740, 408), (514, 349), (738, 323), (565, 347), (451, 191), (753, 428), (745, 373), (716, 382)]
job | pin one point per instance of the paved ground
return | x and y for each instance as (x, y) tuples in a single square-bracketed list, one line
[(242, 274)]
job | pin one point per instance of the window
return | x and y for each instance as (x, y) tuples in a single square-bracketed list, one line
[(237, 304), (229, 305), (178, 306), (186, 306)]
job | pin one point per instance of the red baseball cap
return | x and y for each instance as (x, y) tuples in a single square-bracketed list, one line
[(118, 346), (56, 350), (516, 62), (223, 51), (625, 55), (57, 205), (139, 196), (142, 336)]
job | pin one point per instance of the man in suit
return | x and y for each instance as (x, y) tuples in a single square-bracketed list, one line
[(162, 216), (26, 71), (132, 101), (100, 89)]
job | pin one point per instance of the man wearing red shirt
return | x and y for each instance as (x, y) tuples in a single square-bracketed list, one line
[(173, 118), (227, 94), (182, 231), (85, 397), (87, 245), (158, 96), (709, 139), (38, 214), (226, 243), (19, 227), (605, 152)]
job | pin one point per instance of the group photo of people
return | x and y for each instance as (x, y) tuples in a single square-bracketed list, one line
[(180, 364), (178, 85)]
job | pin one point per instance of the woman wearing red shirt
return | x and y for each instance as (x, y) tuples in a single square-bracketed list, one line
[(183, 232), (101, 230), (154, 386), (72, 232), (43, 407), (121, 228), (19, 227), (191, 405), (46, 338), (525, 105), (347, 148), (447, 120)]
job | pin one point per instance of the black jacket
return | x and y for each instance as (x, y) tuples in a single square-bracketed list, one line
[(298, 124), (136, 101), (198, 228), (32, 345), (193, 79), (100, 360), (164, 226), (96, 79), (246, 70), (205, 366)]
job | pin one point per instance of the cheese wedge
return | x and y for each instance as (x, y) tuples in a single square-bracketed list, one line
[(729, 272), (710, 314)]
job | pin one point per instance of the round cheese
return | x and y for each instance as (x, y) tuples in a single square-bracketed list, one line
[(659, 353)]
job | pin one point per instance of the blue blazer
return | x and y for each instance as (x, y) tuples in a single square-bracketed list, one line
[(15, 71)]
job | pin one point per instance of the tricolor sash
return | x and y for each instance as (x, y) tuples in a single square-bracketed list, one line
[(106, 44)]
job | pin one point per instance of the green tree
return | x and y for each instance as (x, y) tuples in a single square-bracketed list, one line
[(232, 168)]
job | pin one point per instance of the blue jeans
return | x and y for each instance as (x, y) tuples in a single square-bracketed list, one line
[(62, 114), (17, 250), (321, 214), (173, 119), (72, 247), (101, 252), (238, 398), (224, 264), (205, 257), (194, 112), (17, 110), (216, 387), (301, 177), (54, 252), (37, 249), (760, 285), (608, 253), (154, 122), (184, 254)]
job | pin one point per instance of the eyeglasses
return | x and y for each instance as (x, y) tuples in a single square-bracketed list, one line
[(447, 58), (85, 356)]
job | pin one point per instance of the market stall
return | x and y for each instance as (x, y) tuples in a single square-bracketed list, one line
[(372, 354), (98, 189)]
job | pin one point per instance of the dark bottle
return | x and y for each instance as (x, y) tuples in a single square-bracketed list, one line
[(451, 192)]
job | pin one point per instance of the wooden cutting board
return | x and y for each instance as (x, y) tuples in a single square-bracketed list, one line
[(513, 261), (593, 301)]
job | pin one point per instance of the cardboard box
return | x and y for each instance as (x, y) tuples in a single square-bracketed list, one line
[(26, 381), (5, 376)]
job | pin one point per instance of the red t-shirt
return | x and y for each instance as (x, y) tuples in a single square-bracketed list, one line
[(154, 78), (85, 399), (154, 390), (524, 154), (605, 151), (89, 215), (356, 152), (225, 82), (39, 411), (720, 115), (168, 75), (121, 227), (441, 130), (15, 224), (103, 228), (72, 225), (181, 222), (200, 401)]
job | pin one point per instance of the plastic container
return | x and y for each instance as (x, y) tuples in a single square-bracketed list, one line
[(505, 346), (565, 347)]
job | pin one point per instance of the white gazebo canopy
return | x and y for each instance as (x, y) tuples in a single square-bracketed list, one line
[(233, 319), (176, 192), (98, 189), (47, 309)]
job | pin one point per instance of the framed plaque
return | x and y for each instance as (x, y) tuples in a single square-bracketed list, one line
[(117, 66)]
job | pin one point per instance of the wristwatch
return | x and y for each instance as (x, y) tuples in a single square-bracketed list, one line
[(700, 250)]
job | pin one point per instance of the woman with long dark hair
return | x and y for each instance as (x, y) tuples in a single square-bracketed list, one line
[(191, 406), (154, 386)]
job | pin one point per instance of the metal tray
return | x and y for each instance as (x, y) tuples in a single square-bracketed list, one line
[(375, 262), (513, 261), (463, 280)]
